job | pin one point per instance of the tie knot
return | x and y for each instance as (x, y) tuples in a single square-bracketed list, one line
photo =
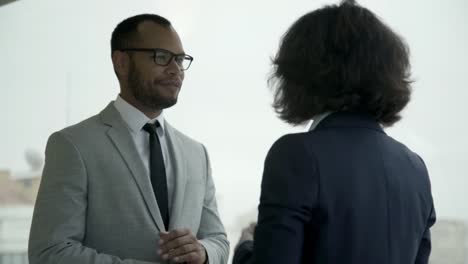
[(151, 128)]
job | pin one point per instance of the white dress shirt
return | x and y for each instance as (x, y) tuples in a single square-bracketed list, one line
[(317, 119), (135, 120)]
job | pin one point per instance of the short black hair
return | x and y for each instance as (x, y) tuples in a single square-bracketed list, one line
[(341, 58), (126, 31)]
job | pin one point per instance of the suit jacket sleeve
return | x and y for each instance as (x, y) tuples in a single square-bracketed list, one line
[(211, 232), (59, 218), (287, 202), (425, 245), (243, 252)]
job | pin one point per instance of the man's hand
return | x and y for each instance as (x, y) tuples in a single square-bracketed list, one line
[(181, 246)]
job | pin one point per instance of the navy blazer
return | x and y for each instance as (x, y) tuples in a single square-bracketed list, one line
[(344, 193)]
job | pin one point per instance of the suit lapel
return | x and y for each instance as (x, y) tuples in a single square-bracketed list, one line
[(120, 136), (177, 157)]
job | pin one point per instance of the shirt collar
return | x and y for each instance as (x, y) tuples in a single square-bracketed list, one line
[(134, 118), (317, 119)]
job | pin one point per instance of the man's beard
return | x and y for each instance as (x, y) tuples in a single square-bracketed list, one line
[(146, 94)]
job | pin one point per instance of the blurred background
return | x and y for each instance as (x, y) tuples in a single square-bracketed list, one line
[(55, 70)]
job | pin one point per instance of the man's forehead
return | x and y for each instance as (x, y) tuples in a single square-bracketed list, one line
[(149, 26), (151, 33)]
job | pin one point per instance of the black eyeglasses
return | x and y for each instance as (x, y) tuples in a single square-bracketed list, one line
[(163, 57)]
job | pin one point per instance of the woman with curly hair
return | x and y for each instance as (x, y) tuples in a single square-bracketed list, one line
[(345, 191)]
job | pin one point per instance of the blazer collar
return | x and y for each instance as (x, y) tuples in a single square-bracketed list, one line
[(179, 161), (119, 134), (349, 120)]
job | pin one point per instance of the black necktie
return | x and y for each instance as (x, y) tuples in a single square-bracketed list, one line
[(158, 172)]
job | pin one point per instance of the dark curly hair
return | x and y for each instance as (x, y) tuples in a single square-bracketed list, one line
[(341, 58)]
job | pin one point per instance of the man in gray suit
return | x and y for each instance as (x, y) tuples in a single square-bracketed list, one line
[(124, 186)]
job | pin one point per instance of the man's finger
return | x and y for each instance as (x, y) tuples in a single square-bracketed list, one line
[(182, 250), (176, 243), (166, 237), (190, 257)]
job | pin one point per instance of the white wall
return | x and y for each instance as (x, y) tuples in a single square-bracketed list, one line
[(55, 70)]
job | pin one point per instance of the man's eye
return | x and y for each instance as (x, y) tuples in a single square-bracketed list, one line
[(179, 59), (162, 57)]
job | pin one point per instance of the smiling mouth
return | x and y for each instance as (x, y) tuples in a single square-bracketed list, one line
[(177, 84)]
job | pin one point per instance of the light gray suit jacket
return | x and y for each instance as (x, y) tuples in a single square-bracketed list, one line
[(96, 203)]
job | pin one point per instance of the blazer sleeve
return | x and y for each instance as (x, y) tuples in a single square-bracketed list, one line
[(243, 253), (425, 245), (59, 218), (289, 196), (211, 233)]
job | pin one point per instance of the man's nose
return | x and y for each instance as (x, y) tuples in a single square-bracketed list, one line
[(173, 67)]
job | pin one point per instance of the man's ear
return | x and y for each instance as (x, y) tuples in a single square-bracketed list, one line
[(121, 62)]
